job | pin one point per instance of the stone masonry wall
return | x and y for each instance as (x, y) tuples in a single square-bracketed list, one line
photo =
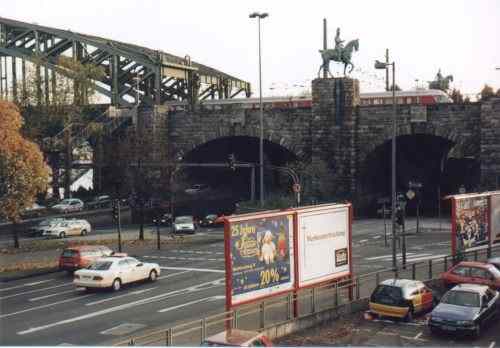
[(490, 144)]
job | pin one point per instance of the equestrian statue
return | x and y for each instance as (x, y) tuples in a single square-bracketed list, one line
[(339, 54), (441, 82)]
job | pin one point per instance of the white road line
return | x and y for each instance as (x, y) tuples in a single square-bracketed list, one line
[(119, 296), (52, 295), (387, 256), (43, 306), (206, 299), (199, 287), (413, 338), (195, 269), (417, 336), (37, 290), (172, 275), (376, 237), (492, 344), (411, 259), (363, 241), (27, 284)]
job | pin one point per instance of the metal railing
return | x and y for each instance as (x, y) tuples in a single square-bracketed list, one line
[(279, 310)]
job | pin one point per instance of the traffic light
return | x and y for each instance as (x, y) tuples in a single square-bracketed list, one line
[(232, 161), (115, 210)]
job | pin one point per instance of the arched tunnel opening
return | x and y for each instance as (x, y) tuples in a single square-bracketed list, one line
[(236, 185), (420, 158)]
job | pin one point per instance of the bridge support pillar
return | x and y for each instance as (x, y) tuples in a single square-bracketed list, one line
[(490, 144), (334, 131)]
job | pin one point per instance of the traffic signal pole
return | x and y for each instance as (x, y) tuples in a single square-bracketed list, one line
[(117, 218)]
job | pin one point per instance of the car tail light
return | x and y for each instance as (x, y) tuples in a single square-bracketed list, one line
[(77, 276), (97, 278)]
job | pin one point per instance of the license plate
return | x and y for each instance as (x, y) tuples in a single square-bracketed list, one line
[(448, 328)]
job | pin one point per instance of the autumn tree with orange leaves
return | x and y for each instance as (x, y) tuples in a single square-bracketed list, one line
[(23, 172)]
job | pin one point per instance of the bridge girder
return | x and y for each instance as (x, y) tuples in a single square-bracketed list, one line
[(122, 63)]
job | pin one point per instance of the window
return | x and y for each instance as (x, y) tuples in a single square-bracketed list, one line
[(461, 271), (480, 273), (100, 265), (461, 298)]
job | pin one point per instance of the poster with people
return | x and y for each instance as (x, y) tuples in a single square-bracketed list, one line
[(261, 256), (471, 222), (495, 218)]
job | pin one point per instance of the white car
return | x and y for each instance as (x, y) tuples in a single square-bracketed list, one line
[(73, 227), (68, 205), (184, 224), (197, 188), (114, 271)]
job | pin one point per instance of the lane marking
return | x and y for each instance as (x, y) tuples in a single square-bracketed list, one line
[(492, 344), (172, 275), (206, 299), (424, 258), (27, 284), (413, 338), (43, 306), (387, 256), (37, 290), (138, 292), (194, 269), (417, 336), (52, 295), (195, 288)]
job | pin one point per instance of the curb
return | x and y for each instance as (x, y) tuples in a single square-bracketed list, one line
[(28, 274)]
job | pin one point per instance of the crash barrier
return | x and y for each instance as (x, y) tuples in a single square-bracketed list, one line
[(275, 316)]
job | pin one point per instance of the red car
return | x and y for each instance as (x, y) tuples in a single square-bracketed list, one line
[(472, 273)]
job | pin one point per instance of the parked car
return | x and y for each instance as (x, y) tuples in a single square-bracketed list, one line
[(99, 202), (37, 230), (114, 271), (184, 224), (197, 188), (73, 227), (34, 210), (472, 272), (81, 256), (465, 308), (238, 338), (164, 219), (210, 220), (68, 205), (401, 298)]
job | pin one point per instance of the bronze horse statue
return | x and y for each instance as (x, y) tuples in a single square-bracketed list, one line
[(342, 56), (441, 83)]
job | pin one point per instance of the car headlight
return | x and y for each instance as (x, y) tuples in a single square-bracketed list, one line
[(437, 319)]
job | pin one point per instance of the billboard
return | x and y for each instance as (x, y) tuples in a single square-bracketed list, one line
[(323, 244), (495, 218), (471, 222), (261, 256)]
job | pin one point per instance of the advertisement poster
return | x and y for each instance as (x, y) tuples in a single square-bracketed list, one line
[(323, 242), (471, 222), (261, 257), (495, 218)]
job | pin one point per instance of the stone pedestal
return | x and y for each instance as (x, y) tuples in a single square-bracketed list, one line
[(333, 130)]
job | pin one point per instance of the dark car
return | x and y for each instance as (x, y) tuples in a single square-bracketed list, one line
[(210, 220), (103, 201), (466, 308), (163, 219)]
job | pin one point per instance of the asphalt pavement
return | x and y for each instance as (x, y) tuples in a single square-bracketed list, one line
[(49, 310)]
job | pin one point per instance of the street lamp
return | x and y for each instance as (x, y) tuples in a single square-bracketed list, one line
[(382, 65), (261, 138)]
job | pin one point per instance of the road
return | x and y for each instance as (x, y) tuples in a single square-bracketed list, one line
[(49, 310)]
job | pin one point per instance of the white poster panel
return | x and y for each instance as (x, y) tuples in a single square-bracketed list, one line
[(323, 243), (262, 257)]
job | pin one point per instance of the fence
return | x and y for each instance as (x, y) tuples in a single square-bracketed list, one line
[(279, 310)]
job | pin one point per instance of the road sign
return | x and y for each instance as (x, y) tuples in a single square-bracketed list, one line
[(296, 188), (410, 194)]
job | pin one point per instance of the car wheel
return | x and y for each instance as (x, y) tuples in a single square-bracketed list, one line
[(153, 276), (84, 232), (62, 235), (117, 284)]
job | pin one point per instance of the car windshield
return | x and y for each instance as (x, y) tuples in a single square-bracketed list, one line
[(385, 294), (184, 219), (65, 201), (100, 265), (461, 298), (69, 253), (48, 222)]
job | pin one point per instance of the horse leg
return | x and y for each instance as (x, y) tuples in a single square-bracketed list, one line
[(352, 68)]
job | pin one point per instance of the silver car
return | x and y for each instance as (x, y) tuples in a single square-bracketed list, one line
[(74, 227), (184, 224), (68, 205)]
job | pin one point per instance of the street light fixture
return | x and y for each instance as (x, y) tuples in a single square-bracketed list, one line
[(261, 138), (382, 65)]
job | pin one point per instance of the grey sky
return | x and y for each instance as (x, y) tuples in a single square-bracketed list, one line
[(460, 37)]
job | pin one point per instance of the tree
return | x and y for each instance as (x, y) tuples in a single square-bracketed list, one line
[(486, 93), (23, 173), (396, 87), (457, 96)]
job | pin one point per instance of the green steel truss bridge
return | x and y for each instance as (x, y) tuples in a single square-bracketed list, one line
[(133, 74)]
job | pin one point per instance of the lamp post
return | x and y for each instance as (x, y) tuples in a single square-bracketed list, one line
[(382, 65), (261, 138)]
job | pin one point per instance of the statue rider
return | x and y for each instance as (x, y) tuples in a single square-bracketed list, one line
[(339, 44), (439, 76)]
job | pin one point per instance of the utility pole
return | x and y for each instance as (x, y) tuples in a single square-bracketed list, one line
[(117, 218), (387, 70), (325, 45)]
